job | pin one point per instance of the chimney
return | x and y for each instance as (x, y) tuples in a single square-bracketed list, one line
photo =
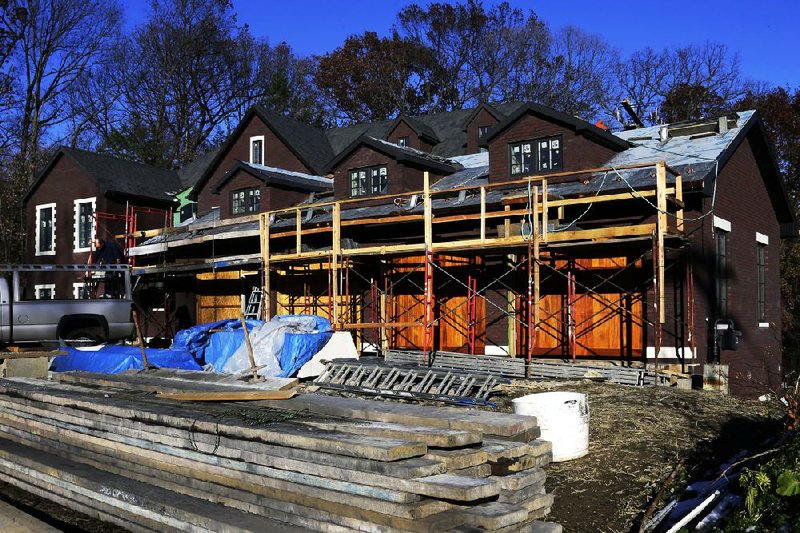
[(663, 133), (723, 125)]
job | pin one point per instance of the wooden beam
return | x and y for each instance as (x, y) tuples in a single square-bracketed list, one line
[(661, 228), (428, 209), (265, 261), (335, 258), (483, 214), (679, 198), (228, 396), (545, 207), (298, 230)]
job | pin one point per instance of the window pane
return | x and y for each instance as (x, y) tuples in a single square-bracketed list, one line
[(46, 229), (722, 274), (762, 282), (85, 224), (258, 151)]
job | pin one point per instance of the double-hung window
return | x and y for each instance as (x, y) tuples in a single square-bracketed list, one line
[(45, 291), (540, 155), (257, 150), (370, 180), (46, 229), (761, 263), (246, 201), (84, 224), (721, 237), (403, 141)]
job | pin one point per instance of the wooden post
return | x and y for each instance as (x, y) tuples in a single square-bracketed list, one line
[(511, 309), (299, 227), (544, 211), (264, 227), (679, 197), (335, 254), (661, 228), (483, 214), (428, 211), (145, 363), (249, 347)]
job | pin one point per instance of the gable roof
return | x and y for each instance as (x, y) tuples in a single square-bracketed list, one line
[(398, 153), (278, 176), (591, 131), (117, 176), (421, 129), (308, 143)]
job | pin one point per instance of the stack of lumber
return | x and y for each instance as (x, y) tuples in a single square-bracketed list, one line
[(313, 462)]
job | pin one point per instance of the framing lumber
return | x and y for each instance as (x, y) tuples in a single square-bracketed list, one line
[(228, 396)]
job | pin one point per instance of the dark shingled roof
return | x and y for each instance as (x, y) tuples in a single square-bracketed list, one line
[(400, 153), (118, 176), (579, 125), (310, 143), (287, 178)]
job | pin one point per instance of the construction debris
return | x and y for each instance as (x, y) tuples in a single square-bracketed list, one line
[(311, 462), (521, 368), (409, 383)]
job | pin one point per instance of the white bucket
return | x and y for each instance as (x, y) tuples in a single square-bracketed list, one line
[(563, 419)]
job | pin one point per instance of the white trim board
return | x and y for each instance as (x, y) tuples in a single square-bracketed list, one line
[(721, 223), (76, 214), (762, 239), (39, 209), (669, 352)]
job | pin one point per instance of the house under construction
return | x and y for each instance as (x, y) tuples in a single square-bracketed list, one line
[(508, 230)]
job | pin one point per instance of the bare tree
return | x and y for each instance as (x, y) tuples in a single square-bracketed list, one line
[(577, 79), (485, 55), (57, 47)]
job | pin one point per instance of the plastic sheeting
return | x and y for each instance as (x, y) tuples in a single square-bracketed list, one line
[(213, 348), (282, 345), (116, 359)]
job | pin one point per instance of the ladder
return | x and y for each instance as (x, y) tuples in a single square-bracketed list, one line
[(410, 383), (253, 308)]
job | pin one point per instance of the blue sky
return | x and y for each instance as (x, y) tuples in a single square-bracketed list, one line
[(764, 33)]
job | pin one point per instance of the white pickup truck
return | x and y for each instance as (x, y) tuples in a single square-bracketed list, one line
[(55, 320)]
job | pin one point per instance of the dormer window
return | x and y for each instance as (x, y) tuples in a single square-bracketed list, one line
[(482, 131), (370, 180), (257, 150), (245, 201), (402, 141), (541, 155)]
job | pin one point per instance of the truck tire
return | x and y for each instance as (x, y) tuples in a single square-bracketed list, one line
[(83, 337)]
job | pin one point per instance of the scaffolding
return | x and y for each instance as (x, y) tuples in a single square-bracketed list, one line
[(476, 257)]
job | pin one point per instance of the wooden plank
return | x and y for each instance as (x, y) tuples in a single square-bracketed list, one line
[(445, 417), (30, 354), (247, 450), (228, 396), (377, 511), (16, 520), (222, 471), (153, 381), (283, 434), (441, 438), (172, 509), (458, 459)]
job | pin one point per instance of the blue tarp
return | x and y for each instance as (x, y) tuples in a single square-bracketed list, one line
[(299, 348), (213, 348), (115, 359)]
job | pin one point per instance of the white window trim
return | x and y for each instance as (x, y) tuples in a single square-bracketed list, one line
[(39, 209), (762, 239), (263, 151), (763, 324), (51, 286), (76, 221), (77, 289), (721, 223)]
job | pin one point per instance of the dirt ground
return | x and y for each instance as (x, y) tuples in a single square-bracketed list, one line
[(636, 437)]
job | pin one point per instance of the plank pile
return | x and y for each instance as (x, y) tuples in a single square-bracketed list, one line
[(312, 462)]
